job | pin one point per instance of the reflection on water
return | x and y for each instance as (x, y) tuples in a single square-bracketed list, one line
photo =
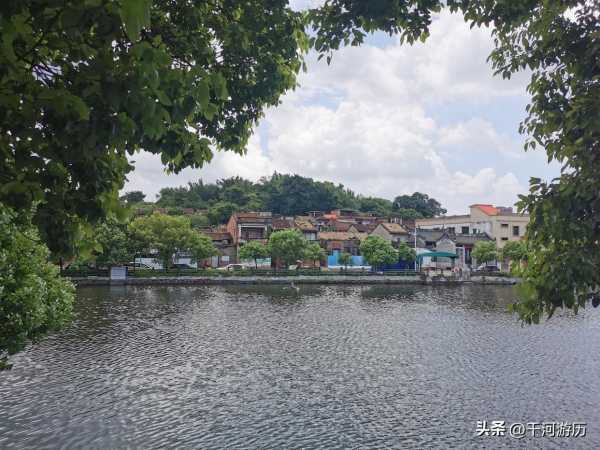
[(313, 367)]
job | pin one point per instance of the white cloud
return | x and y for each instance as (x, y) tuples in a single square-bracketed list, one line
[(366, 121), (477, 135)]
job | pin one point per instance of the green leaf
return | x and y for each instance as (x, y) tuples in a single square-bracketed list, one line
[(163, 98), (135, 15), (210, 111), (80, 107), (220, 86), (203, 93), (8, 36)]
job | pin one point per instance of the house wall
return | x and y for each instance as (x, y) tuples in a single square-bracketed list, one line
[(232, 228), (504, 234), (382, 232), (445, 245)]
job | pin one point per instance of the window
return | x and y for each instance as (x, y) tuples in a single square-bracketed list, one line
[(464, 230), (516, 230), (504, 225), (475, 231), (505, 239), (451, 230)]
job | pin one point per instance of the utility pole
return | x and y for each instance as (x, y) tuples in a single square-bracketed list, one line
[(415, 247)]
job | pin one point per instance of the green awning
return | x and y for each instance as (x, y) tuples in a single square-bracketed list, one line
[(438, 254)]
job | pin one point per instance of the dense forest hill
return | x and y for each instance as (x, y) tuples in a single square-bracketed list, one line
[(282, 194)]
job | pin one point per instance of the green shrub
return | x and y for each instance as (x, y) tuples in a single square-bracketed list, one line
[(34, 299)]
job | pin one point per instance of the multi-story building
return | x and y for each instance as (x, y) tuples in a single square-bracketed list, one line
[(250, 226), (501, 223)]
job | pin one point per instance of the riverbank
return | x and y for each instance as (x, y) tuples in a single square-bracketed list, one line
[(300, 279)]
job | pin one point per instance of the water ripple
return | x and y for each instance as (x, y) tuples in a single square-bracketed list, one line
[(328, 367)]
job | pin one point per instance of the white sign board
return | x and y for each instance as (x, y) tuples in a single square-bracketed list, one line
[(118, 273)]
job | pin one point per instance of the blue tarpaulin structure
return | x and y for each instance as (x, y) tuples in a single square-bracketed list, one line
[(332, 260)]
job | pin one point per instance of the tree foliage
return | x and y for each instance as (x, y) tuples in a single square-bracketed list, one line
[(406, 253), (85, 84), (485, 252), (378, 252), (132, 197), (313, 252), (221, 212), (200, 246), (170, 234), (515, 251), (421, 203), (287, 246), (114, 243), (33, 298), (254, 250), (280, 193)]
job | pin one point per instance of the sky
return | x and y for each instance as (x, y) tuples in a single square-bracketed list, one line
[(386, 120)]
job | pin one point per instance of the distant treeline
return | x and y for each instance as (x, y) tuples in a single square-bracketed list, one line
[(283, 194)]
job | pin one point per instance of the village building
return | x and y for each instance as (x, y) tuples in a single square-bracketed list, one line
[(341, 241), (392, 232), (306, 227), (223, 242), (444, 241), (500, 223), (250, 226)]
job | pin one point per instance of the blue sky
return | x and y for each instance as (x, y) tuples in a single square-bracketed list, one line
[(385, 120)]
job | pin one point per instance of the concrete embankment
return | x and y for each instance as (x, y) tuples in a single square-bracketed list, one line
[(301, 279)]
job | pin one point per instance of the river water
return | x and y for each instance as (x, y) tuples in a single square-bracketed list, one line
[(322, 367)]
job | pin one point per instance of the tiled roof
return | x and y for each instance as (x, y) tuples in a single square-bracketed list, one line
[(470, 238), (338, 225), (340, 236), (436, 235), (304, 224), (281, 223), (394, 228), (218, 235), (363, 227), (253, 217), (490, 210)]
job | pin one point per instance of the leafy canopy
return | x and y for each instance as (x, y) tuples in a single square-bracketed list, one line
[(287, 246), (170, 234), (133, 197), (280, 193), (421, 203), (314, 252), (515, 251), (484, 252), (406, 253), (33, 298), (378, 252), (85, 84), (253, 250)]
